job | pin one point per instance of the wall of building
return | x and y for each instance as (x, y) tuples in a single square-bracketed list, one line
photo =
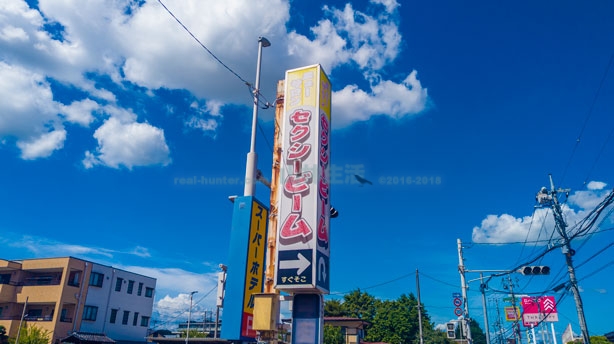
[(107, 299), (61, 300)]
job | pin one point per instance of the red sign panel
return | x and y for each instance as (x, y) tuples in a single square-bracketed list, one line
[(538, 309)]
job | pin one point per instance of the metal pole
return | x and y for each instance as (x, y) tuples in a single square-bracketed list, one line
[(516, 324), (483, 289), (252, 158), (553, 333), (23, 315), (187, 332), (275, 176), (461, 270), (561, 228), (217, 321), (419, 307)]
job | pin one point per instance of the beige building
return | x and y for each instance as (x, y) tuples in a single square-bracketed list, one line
[(67, 295)]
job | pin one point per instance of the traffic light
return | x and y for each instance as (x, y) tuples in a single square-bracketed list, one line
[(450, 329), (535, 270)]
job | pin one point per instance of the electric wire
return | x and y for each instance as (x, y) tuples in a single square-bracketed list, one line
[(588, 116), (255, 93)]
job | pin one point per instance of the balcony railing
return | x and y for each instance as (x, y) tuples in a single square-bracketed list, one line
[(28, 318), (38, 318)]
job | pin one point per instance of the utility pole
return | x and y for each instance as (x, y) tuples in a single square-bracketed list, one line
[(516, 324), (23, 315), (498, 324), (550, 199), (485, 309), (419, 307), (461, 270)]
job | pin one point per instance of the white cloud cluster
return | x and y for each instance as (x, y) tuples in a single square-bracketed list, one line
[(42, 247), (507, 228), (142, 44), (128, 144)]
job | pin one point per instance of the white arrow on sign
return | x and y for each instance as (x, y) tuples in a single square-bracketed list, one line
[(301, 264), (322, 268), (548, 305)]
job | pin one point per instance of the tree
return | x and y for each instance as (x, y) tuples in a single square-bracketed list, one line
[(4, 339), (599, 340), (359, 304), (333, 308), (395, 321), (32, 334), (333, 335), (194, 334), (477, 335)]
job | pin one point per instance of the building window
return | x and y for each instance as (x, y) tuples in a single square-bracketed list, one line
[(113, 316), (148, 292), (144, 321), (140, 290), (73, 278), (96, 279), (125, 318), (118, 284), (130, 286), (89, 313), (5, 278), (136, 318)]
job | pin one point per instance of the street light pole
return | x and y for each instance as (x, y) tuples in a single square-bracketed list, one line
[(252, 158), (187, 332)]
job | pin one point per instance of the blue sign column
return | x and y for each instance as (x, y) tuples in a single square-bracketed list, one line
[(246, 265), (307, 319)]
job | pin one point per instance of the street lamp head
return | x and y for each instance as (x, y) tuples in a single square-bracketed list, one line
[(265, 42), (194, 292)]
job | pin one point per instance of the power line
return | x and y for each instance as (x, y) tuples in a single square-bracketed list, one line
[(588, 116), (249, 85)]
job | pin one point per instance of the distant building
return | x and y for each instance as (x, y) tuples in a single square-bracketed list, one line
[(207, 327), (352, 329), (68, 295), (568, 336)]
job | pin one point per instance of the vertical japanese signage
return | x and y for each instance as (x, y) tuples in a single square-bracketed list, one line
[(245, 267), (304, 194)]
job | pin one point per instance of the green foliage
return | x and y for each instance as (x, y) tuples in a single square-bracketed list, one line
[(359, 304), (32, 334), (333, 308), (392, 321), (333, 335), (477, 334), (599, 340), (4, 339), (194, 334)]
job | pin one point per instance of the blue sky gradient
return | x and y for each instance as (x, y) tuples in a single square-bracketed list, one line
[(109, 109)]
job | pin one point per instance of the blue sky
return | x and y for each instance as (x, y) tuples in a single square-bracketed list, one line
[(106, 107)]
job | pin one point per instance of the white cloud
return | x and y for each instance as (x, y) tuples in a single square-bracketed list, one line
[(80, 112), (391, 5), (42, 146), (129, 145), (173, 287), (52, 248), (595, 185), (386, 98), (146, 46), (29, 113), (507, 228)]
